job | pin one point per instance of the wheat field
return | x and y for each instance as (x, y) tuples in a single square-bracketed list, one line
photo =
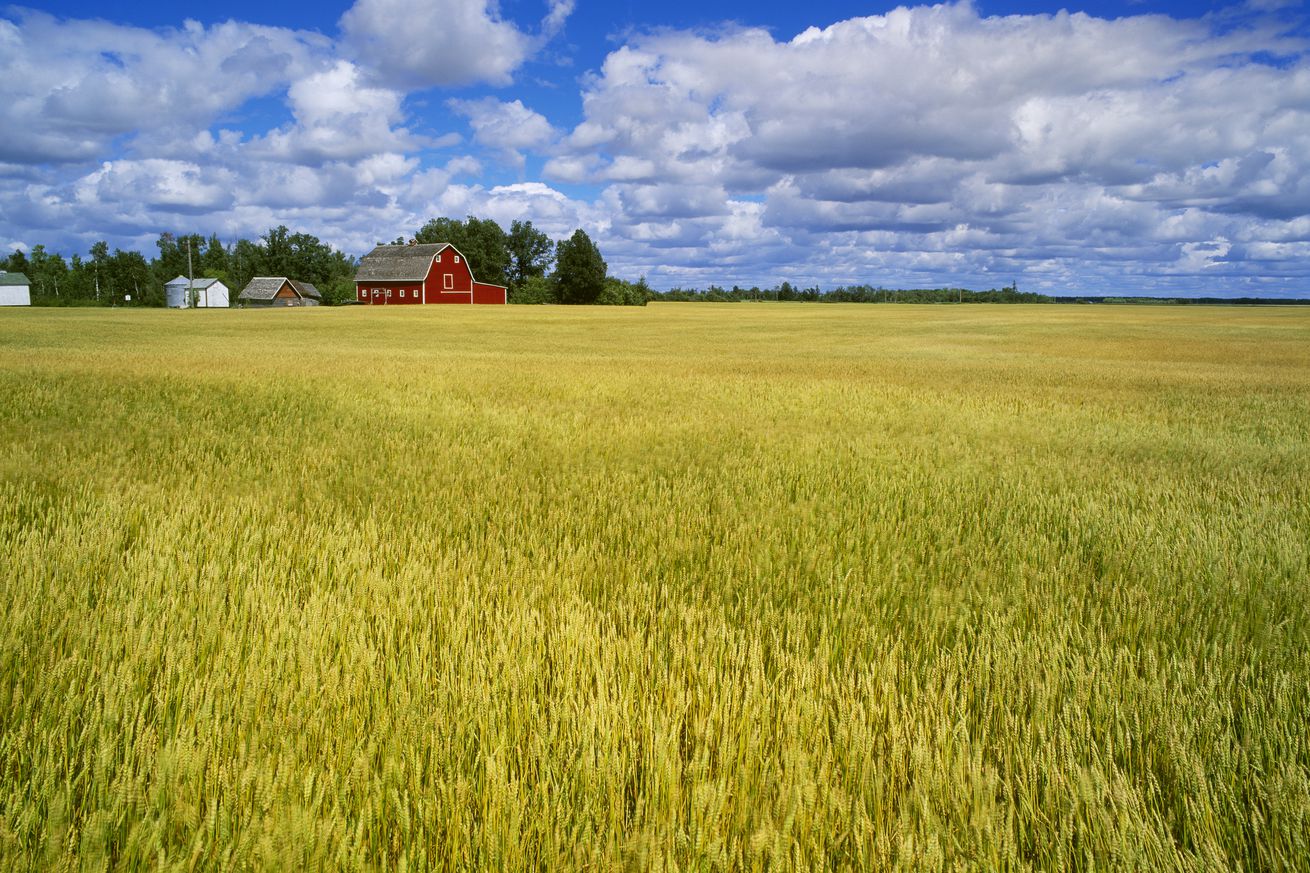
[(691, 587)]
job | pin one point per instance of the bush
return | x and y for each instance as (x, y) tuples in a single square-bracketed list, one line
[(534, 289)]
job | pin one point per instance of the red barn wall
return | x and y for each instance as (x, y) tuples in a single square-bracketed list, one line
[(460, 288), (375, 293), (434, 288), (483, 293)]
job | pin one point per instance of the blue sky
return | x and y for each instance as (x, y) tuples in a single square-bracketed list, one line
[(1116, 147)]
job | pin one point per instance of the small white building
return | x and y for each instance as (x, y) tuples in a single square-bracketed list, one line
[(15, 290), (206, 293)]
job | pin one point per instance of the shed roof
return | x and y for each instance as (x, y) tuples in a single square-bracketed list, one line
[(13, 279), (196, 283), (266, 288), (398, 263)]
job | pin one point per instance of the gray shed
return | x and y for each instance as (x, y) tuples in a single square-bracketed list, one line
[(279, 291)]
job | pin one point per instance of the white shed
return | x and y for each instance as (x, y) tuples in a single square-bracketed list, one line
[(15, 290), (206, 293)]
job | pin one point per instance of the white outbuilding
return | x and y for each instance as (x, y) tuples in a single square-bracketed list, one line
[(15, 290), (208, 293)]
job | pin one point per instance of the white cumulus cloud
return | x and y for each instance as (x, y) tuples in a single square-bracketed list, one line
[(72, 86), (506, 127), (442, 42), (1062, 146)]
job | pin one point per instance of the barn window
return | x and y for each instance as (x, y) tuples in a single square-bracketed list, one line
[(388, 292), (450, 281), (438, 259), (457, 259)]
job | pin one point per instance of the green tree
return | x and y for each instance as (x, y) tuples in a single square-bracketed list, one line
[(485, 245), (279, 259), (439, 230), (216, 261), (579, 269), (530, 254), (172, 259), (80, 282), (127, 275), (17, 263), (48, 274), (247, 262), (639, 293)]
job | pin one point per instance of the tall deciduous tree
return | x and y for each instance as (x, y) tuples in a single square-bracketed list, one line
[(247, 263), (530, 254), (217, 262), (17, 263), (579, 269), (48, 274)]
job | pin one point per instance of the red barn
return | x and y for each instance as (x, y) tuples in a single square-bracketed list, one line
[(417, 274)]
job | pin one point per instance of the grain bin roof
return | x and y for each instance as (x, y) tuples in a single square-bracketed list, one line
[(398, 263), (266, 288), (13, 279)]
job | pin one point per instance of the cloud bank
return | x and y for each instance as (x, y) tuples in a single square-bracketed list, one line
[(936, 144)]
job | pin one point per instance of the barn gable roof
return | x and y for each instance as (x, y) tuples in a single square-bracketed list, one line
[(398, 263), (266, 288), (13, 279)]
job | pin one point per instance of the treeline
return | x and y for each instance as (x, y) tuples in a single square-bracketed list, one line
[(851, 294), (869, 294)]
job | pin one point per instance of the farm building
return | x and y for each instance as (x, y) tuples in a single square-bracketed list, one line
[(206, 292), (279, 291), (15, 290), (417, 274)]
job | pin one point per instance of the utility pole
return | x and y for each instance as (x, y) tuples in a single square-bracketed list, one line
[(190, 281)]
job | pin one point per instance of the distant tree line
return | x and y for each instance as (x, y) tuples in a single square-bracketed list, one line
[(127, 278), (785, 291), (870, 294)]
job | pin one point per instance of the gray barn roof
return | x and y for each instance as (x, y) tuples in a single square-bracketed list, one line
[(266, 288), (13, 279), (398, 263)]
